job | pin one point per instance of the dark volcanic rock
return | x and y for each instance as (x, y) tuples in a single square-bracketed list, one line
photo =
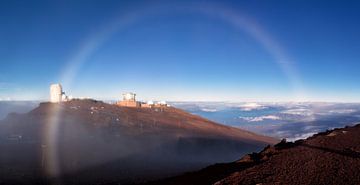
[(91, 142), (331, 157)]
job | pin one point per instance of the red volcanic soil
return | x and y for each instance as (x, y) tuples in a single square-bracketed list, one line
[(98, 143), (166, 120), (331, 157)]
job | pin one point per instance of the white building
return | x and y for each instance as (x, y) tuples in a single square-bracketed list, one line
[(162, 103), (129, 96), (56, 93)]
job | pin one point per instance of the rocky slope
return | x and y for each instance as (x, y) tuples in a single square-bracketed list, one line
[(91, 142), (331, 157)]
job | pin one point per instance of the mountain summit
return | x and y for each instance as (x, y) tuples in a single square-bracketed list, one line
[(88, 141)]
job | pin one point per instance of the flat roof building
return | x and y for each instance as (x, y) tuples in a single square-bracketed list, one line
[(129, 96), (129, 100)]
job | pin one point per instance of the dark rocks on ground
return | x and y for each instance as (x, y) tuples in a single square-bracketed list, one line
[(331, 157)]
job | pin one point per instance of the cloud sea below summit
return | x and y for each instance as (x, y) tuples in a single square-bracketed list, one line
[(281, 120)]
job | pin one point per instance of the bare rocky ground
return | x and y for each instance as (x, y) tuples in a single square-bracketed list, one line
[(327, 158)]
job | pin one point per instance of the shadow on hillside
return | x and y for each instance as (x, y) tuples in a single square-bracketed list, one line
[(346, 152), (208, 175)]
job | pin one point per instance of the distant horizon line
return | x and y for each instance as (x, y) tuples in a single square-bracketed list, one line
[(190, 101)]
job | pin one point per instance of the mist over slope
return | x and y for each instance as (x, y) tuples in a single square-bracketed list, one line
[(88, 141), (331, 157), (7, 107)]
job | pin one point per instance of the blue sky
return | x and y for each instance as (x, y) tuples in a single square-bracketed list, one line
[(192, 50)]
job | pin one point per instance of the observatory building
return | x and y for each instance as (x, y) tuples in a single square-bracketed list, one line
[(56, 93), (129, 100), (129, 96)]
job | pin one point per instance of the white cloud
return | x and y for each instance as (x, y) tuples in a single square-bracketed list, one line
[(261, 118), (208, 110), (301, 136), (300, 112), (342, 111), (311, 127), (251, 106), (6, 99)]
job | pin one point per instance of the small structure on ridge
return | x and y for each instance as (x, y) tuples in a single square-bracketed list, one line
[(57, 94), (129, 100)]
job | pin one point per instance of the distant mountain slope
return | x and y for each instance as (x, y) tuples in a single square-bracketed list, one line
[(93, 142), (7, 107), (331, 157)]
